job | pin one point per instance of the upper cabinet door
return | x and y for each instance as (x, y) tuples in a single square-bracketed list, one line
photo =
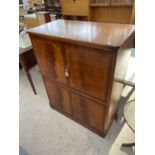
[(89, 70), (122, 2), (51, 59), (82, 68)]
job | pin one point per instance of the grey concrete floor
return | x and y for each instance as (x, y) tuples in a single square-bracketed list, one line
[(43, 131)]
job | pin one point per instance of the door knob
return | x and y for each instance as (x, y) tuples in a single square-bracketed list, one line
[(67, 71)]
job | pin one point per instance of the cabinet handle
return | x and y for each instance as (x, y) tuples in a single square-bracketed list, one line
[(67, 71)]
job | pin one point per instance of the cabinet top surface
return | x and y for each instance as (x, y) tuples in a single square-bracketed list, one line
[(99, 33)]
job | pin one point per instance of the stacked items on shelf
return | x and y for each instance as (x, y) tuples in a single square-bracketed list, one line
[(54, 7)]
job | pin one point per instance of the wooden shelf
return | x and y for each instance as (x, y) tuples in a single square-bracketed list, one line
[(121, 4), (111, 3), (100, 4)]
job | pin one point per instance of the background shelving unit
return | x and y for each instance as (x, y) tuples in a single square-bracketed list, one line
[(111, 2), (99, 2)]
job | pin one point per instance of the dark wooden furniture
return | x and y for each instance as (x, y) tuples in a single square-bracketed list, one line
[(27, 60), (81, 63)]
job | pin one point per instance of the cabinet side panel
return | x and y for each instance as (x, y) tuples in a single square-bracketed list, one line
[(122, 60)]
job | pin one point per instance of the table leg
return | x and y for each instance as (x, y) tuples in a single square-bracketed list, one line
[(31, 82), (128, 144), (27, 61), (20, 66)]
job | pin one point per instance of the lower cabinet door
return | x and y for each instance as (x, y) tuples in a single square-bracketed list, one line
[(59, 97), (86, 111)]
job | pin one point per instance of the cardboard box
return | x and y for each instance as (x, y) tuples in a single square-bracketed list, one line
[(43, 17), (31, 20)]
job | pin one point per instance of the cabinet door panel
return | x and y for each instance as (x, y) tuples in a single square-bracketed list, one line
[(88, 112), (51, 59), (59, 97), (80, 108), (89, 70), (82, 68)]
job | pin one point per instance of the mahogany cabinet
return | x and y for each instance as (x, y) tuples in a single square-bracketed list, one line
[(81, 64)]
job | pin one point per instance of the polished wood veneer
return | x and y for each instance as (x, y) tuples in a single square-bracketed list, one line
[(81, 64)]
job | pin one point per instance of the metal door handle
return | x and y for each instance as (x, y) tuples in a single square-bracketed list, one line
[(67, 71)]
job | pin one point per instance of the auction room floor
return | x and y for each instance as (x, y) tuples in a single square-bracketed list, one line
[(43, 131)]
